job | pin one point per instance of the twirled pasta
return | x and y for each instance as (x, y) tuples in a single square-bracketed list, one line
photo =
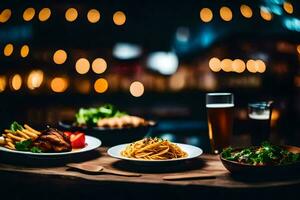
[(153, 149)]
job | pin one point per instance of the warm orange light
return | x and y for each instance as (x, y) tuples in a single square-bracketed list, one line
[(71, 14), (101, 85), (177, 81), (265, 14), (226, 65), (82, 66), (35, 79), (226, 13), (246, 11), (119, 18), (60, 57), (44, 14), (16, 82), (24, 51), (298, 48), (288, 7), (260, 66), (136, 89), (251, 66), (93, 16), (5, 15), (8, 49), (99, 65), (28, 14), (238, 65), (214, 64), (2, 83), (59, 84), (206, 15)]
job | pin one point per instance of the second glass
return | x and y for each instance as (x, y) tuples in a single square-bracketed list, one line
[(220, 119)]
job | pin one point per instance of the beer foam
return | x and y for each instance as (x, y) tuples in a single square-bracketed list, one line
[(260, 116), (220, 105)]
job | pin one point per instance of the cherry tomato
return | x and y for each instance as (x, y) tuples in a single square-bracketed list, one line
[(68, 133), (77, 140)]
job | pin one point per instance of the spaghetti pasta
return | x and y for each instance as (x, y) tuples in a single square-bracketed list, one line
[(153, 149)]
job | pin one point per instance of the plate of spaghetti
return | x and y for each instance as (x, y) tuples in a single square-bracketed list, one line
[(154, 150)]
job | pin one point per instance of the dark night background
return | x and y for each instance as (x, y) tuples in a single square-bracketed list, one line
[(175, 50)]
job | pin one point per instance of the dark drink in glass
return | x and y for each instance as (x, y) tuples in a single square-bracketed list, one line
[(260, 121)]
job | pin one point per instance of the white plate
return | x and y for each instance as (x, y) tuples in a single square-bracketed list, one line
[(192, 152), (91, 144)]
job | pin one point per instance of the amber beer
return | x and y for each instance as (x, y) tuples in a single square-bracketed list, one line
[(220, 120)]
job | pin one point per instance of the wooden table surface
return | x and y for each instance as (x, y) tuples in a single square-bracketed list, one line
[(43, 170)]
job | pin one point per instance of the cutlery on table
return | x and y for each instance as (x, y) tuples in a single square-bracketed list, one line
[(100, 169), (188, 176)]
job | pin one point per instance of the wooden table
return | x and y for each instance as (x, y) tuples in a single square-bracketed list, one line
[(49, 178)]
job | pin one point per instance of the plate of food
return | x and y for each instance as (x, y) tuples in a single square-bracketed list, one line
[(154, 150), (49, 142), (110, 124), (264, 159)]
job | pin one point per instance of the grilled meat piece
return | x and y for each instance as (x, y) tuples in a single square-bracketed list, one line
[(53, 140)]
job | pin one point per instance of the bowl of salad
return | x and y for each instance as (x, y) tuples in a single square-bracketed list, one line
[(109, 124), (264, 159)]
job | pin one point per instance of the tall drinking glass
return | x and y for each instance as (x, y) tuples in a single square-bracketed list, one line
[(260, 121), (220, 119)]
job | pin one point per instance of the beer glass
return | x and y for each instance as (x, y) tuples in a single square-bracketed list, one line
[(220, 119), (260, 121)]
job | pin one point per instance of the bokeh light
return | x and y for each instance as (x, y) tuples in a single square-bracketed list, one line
[(251, 66), (265, 14), (215, 64), (226, 65), (206, 15), (59, 84), (93, 16), (119, 18), (99, 65), (238, 66), (101, 85), (246, 11), (2, 83), (71, 14), (5, 15), (35, 79), (60, 57), (136, 89), (298, 48), (44, 14), (82, 66), (226, 13), (288, 7), (24, 51), (8, 49), (16, 82), (260, 66), (28, 14)]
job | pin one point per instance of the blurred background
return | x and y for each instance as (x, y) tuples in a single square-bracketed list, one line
[(155, 59)]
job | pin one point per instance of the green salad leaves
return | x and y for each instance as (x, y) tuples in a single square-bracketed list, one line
[(90, 116), (266, 154), (27, 146), (16, 126)]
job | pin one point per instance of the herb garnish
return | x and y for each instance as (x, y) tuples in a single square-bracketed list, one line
[(266, 154), (26, 146)]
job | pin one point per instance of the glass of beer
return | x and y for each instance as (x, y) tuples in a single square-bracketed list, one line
[(260, 121), (220, 119)]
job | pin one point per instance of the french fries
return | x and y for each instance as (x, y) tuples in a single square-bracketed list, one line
[(9, 137)]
